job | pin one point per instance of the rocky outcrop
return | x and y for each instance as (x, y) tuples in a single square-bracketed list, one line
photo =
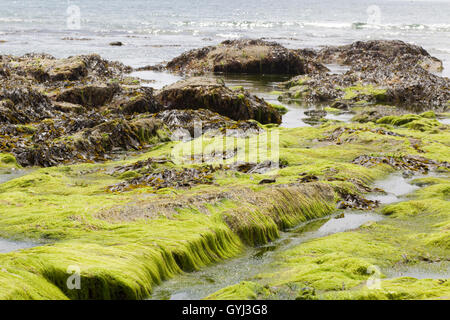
[(182, 124), (84, 108), (213, 95), (246, 56), (380, 72), (44, 67), (365, 53)]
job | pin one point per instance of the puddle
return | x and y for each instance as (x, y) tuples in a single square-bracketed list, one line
[(12, 174), (254, 261), (9, 246), (422, 270), (344, 117), (155, 79), (396, 187), (337, 68), (444, 121), (197, 285)]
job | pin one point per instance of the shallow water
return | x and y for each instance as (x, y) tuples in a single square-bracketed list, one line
[(445, 121), (9, 246), (396, 187), (157, 31), (12, 174), (155, 79), (197, 285), (422, 270)]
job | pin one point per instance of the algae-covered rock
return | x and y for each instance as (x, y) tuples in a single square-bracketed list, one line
[(380, 72), (246, 56), (43, 67), (183, 123), (212, 94), (374, 51)]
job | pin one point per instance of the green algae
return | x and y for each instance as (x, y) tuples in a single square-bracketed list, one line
[(423, 122), (8, 161), (125, 256), (351, 265), (364, 92), (281, 109), (245, 290)]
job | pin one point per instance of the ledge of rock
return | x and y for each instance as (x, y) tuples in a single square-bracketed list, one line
[(213, 95), (246, 56)]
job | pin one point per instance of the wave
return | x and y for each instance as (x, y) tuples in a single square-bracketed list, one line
[(441, 27)]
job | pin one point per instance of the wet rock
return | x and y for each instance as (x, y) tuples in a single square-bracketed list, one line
[(308, 178), (380, 72), (318, 114), (340, 216), (336, 134), (78, 109), (168, 178), (406, 163), (89, 95), (91, 144), (267, 181), (146, 165), (212, 94), (246, 56), (251, 167), (23, 105), (340, 105), (43, 67), (183, 124), (136, 101), (375, 51), (354, 201)]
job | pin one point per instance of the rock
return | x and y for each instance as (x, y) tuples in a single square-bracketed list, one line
[(168, 178), (116, 43), (251, 167), (340, 105), (182, 124), (316, 113), (42, 67), (379, 51), (406, 163), (340, 216), (267, 181), (380, 72), (78, 109), (246, 56), (136, 100), (89, 96), (24, 104), (212, 94)]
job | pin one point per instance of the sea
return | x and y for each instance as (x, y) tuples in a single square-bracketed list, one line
[(156, 31)]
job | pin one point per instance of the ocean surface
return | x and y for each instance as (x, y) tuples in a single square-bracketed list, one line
[(156, 31)]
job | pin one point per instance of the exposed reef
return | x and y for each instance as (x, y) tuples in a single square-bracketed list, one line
[(246, 56), (380, 72), (125, 187)]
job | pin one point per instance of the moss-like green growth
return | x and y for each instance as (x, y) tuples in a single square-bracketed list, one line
[(245, 290), (8, 161), (424, 122), (125, 243), (365, 92), (281, 109)]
